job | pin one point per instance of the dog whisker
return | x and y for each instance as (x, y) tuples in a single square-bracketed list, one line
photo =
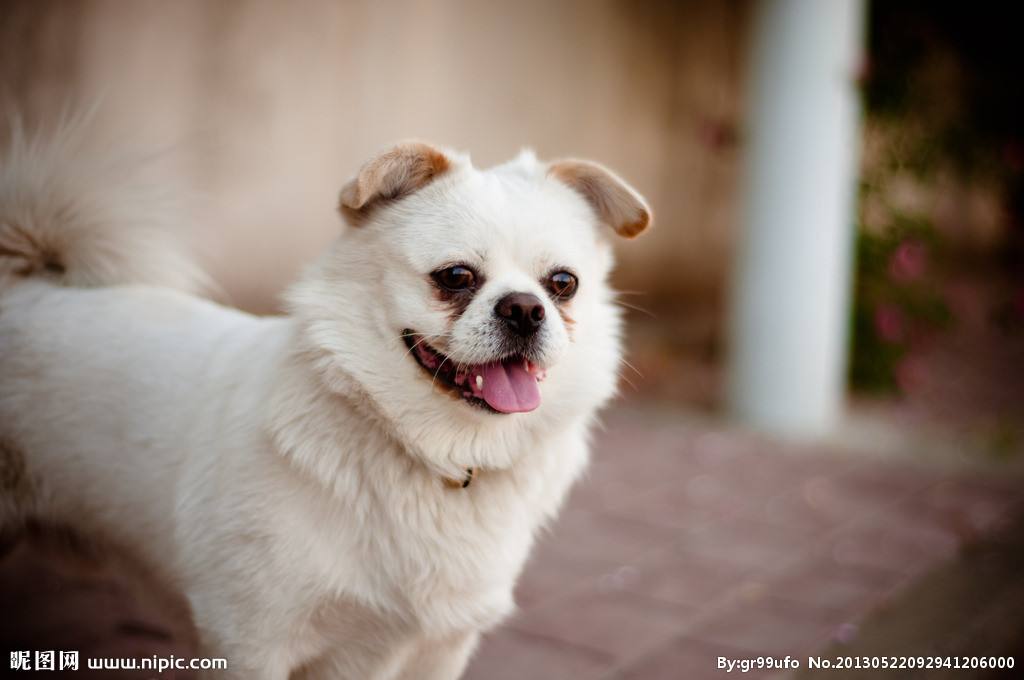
[(626, 305), (424, 339), (635, 369), (628, 382), (439, 366)]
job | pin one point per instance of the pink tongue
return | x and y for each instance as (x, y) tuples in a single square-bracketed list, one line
[(508, 387)]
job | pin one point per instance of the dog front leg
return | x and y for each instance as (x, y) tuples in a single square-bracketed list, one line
[(252, 651), (439, 659), (245, 662)]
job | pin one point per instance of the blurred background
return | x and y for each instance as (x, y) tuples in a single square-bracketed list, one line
[(716, 520)]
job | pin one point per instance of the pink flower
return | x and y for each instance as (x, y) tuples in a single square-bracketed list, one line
[(908, 262), (890, 324)]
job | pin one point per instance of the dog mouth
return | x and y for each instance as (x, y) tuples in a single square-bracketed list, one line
[(506, 385)]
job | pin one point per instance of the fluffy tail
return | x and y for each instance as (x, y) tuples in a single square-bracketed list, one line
[(81, 218)]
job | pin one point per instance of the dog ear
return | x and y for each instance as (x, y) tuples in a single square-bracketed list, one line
[(616, 203), (395, 173)]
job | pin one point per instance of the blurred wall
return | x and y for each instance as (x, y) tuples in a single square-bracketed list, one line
[(267, 107)]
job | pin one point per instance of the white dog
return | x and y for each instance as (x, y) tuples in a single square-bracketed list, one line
[(348, 491)]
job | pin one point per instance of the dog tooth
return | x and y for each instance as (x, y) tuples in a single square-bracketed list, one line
[(479, 382)]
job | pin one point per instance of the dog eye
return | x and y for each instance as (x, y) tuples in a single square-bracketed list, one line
[(562, 285), (456, 277)]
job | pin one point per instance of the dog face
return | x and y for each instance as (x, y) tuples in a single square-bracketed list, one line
[(471, 307)]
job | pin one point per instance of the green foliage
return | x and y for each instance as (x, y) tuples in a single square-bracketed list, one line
[(944, 79), (894, 307)]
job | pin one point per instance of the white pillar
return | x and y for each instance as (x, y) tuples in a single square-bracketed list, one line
[(791, 292)]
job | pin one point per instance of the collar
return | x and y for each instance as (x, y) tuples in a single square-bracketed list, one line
[(460, 483)]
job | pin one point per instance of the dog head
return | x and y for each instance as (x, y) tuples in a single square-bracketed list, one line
[(470, 309)]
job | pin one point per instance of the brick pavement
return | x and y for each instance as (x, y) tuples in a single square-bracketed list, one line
[(968, 607), (688, 542)]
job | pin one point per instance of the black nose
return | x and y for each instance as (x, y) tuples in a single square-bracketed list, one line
[(523, 312)]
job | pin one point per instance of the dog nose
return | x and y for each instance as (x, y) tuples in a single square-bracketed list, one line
[(523, 312)]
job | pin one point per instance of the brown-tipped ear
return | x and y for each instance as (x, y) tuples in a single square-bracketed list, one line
[(396, 173), (614, 201)]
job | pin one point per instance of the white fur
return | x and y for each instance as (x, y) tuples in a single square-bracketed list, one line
[(286, 473), (105, 215)]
